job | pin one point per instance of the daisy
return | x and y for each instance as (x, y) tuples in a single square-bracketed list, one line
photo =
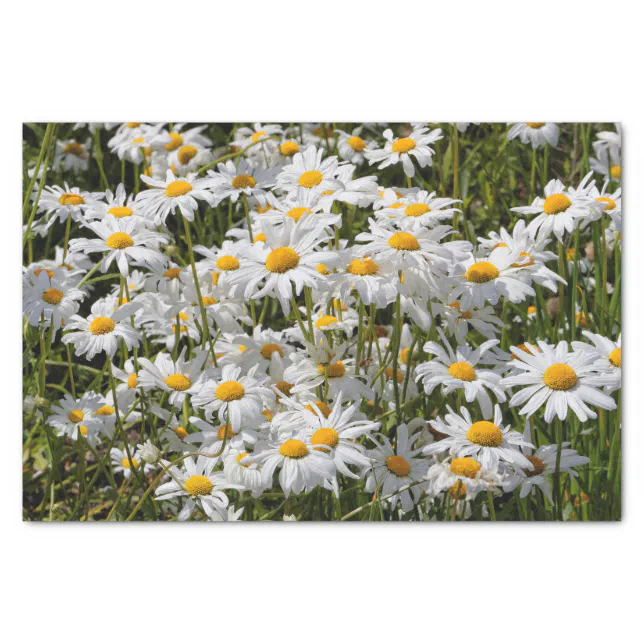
[(609, 144), (118, 205), (561, 210), (236, 398), (133, 141), (537, 134), (489, 279), (309, 171), (220, 263), (287, 261), (544, 465), (608, 165), (220, 440), (402, 149), (244, 179), (60, 203), (459, 370), (352, 147), (102, 329), (301, 465), (611, 203), (608, 356), (178, 378), (488, 442), (560, 379), (165, 278), (167, 195), (405, 243), (124, 464), (240, 472), (72, 155), (49, 298), (72, 417), (123, 241), (422, 207), (458, 322), (392, 469), (200, 486)]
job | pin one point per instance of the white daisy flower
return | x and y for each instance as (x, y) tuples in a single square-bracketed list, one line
[(123, 241), (119, 205), (422, 207), (211, 439), (536, 134), (403, 149), (122, 464), (59, 203), (70, 417), (102, 329), (608, 356), (352, 146), (560, 379), (489, 279), (201, 487), (72, 155), (488, 442), (611, 203), (459, 370), (176, 378), (240, 472), (302, 466), (287, 261), (237, 398), (309, 171), (392, 469), (167, 195), (232, 181), (561, 211)]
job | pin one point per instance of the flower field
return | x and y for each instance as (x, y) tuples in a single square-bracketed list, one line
[(322, 321)]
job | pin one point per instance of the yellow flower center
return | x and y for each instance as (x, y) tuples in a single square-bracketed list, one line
[(52, 296), (105, 410), (336, 370), (177, 188), (325, 320), (284, 387), (615, 357), (289, 148), (398, 465), (322, 407), (227, 263), (538, 466), (119, 241), (269, 349), (133, 124), (616, 172), (230, 390), (560, 377), (458, 491), (296, 213), (71, 199), (485, 433), (187, 154), (198, 485), (258, 135), (132, 381), (556, 204), (462, 371), (362, 267), (323, 131), (178, 382), (322, 269), (242, 181), (261, 237), (610, 204), (294, 449), (180, 433), (465, 467), (49, 272), (172, 273), (240, 457), (76, 416), (482, 272), (76, 149), (102, 325), (325, 436), (417, 209), (120, 211), (83, 430), (127, 464), (532, 309), (282, 260), (176, 141), (466, 315), (208, 301), (182, 328), (403, 241), (523, 263), (389, 373), (357, 143), (140, 139), (405, 355), (403, 145), (311, 178), (535, 126), (226, 430)]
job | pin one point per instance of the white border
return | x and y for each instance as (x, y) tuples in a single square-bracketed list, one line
[(297, 61)]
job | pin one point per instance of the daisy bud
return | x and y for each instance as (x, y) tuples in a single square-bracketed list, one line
[(149, 453)]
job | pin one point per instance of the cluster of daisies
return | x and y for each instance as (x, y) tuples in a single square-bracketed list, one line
[(286, 358)]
